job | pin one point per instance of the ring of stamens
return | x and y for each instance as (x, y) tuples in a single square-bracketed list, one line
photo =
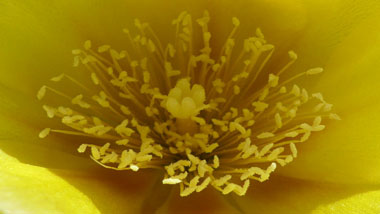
[(203, 120)]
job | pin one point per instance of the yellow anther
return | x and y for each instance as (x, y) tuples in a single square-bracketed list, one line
[(134, 167), (49, 111), (95, 152), (171, 181), (292, 134), (235, 21), (44, 133), (314, 71), (41, 93), (292, 55), (265, 135), (82, 148), (265, 149), (278, 120), (260, 106), (293, 149), (95, 79), (296, 90), (87, 45), (57, 78), (77, 100), (103, 48), (273, 80), (274, 154)]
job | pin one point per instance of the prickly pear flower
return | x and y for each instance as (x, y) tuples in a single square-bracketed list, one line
[(207, 102), (204, 120)]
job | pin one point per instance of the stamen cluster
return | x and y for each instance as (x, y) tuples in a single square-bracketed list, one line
[(206, 120)]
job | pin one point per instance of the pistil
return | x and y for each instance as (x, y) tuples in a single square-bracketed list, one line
[(186, 126)]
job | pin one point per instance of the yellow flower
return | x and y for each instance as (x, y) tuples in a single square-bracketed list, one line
[(336, 170)]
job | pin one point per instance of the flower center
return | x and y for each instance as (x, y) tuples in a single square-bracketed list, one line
[(205, 121)]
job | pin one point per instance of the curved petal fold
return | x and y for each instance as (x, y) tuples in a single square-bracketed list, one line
[(30, 189), (112, 191), (367, 202), (288, 196)]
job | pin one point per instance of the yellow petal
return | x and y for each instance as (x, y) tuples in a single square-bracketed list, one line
[(289, 196), (112, 191), (347, 151), (29, 189), (366, 202)]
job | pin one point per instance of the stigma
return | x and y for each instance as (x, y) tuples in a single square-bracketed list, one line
[(206, 119)]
